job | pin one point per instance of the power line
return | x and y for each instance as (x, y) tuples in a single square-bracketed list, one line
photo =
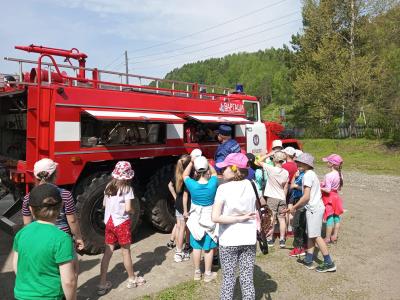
[(216, 53), (219, 37), (211, 27), (114, 61), (218, 44)]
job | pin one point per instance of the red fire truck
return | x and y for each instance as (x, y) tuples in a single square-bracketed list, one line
[(87, 119)]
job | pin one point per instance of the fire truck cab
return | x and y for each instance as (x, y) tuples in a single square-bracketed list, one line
[(87, 123)]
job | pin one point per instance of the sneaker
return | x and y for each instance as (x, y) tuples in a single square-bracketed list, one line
[(324, 267), (210, 277), (188, 248), (197, 276), (308, 265), (297, 252), (282, 243), (171, 245), (186, 256), (270, 243), (104, 289), (302, 252), (178, 257)]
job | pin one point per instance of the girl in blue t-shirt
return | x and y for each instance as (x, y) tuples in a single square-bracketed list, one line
[(202, 229)]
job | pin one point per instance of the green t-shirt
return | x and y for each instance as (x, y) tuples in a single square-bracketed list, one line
[(41, 248)]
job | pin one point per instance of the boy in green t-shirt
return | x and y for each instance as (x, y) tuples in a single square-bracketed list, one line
[(43, 254)]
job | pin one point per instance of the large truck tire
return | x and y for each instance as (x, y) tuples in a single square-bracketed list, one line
[(91, 214), (159, 206)]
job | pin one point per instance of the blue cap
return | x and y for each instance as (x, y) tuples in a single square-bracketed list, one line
[(225, 130)]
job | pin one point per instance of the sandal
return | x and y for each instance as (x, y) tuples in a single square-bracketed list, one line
[(138, 281), (104, 289)]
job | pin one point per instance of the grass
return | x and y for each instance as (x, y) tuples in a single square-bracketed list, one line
[(369, 156), (186, 290)]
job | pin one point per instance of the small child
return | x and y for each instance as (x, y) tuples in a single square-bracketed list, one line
[(312, 201), (332, 183), (44, 255), (118, 197)]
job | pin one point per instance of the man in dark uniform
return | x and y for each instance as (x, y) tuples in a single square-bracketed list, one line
[(228, 145)]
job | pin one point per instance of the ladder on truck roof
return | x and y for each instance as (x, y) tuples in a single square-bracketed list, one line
[(145, 84)]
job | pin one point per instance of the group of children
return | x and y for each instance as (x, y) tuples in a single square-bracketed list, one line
[(214, 213)]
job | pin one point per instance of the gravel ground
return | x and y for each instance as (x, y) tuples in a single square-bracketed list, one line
[(366, 256)]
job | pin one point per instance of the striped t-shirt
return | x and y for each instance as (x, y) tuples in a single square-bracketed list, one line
[(68, 208)]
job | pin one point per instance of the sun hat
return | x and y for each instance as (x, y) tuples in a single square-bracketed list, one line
[(196, 153), (306, 158), (234, 159), (279, 156), (334, 159), (289, 151), (200, 164), (123, 171), (42, 192), (225, 130), (276, 144), (44, 165), (298, 152)]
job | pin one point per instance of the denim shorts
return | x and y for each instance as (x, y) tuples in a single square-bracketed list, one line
[(178, 215)]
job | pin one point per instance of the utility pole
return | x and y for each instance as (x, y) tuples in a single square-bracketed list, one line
[(126, 67)]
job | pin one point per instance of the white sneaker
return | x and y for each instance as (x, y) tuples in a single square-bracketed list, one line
[(179, 256), (186, 256)]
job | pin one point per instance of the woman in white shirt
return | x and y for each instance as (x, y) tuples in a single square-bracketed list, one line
[(234, 209)]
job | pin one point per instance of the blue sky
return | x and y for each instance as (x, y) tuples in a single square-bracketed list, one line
[(158, 35)]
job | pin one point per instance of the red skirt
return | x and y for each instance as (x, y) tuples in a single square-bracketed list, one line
[(333, 204)]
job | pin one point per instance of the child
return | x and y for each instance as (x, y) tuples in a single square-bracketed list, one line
[(44, 256), (312, 200), (234, 210), (182, 206), (299, 218), (118, 196), (202, 230), (330, 186)]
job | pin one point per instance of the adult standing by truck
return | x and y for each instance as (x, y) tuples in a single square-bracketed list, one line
[(227, 146)]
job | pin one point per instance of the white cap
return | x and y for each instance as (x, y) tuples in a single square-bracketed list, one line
[(276, 143), (201, 164), (196, 153), (290, 151), (298, 152), (44, 165)]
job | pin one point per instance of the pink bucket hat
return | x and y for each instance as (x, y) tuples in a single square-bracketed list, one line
[(234, 159), (123, 171), (334, 159)]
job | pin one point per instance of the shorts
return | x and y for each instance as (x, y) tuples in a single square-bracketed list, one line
[(332, 220), (120, 233), (276, 205), (206, 243), (314, 222), (178, 215)]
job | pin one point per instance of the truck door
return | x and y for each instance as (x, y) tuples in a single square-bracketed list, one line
[(256, 134)]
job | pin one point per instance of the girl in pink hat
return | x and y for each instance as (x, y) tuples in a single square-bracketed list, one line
[(117, 202), (332, 183)]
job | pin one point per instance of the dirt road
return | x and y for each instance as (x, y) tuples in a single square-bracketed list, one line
[(366, 256)]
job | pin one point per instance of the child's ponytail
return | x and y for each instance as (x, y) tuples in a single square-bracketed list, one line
[(340, 175)]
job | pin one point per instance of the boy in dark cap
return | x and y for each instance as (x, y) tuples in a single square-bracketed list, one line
[(43, 254), (227, 146)]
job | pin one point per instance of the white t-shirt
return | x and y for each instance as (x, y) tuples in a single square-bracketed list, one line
[(238, 198), (115, 207), (277, 178), (311, 180)]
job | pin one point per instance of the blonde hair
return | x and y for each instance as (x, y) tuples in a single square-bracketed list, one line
[(115, 185), (181, 165), (48, 211), (240, 174)]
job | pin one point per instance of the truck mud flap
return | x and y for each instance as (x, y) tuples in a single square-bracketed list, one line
[(5, 220)]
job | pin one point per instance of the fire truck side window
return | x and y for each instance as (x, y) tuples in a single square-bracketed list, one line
[(113, 133), (196, 132), (251, 111)]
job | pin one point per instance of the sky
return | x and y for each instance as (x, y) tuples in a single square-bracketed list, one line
[(158, 35)]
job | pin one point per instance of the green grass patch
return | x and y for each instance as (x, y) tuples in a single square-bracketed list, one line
[(370, 156), (185, 290)]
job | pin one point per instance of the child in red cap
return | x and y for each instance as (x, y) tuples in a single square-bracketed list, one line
[(118, 197), (332, 183)]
